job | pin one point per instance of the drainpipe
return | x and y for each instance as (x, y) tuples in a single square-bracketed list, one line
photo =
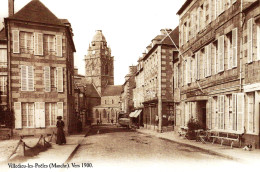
[(241, 46), (160, 88)]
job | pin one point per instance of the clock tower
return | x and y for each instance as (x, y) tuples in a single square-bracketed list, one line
[(99, 64)]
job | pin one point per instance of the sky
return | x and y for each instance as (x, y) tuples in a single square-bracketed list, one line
[(128, 25)]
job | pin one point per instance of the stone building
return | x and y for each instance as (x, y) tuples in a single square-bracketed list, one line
[(158, 81), (3, 77), (138, 91), (218, 58), (40, 69), (99, 66), (127, 103)]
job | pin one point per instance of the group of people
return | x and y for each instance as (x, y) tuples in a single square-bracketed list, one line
[(100, 122)]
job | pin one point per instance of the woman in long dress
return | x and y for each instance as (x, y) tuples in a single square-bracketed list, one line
[(60, 133)]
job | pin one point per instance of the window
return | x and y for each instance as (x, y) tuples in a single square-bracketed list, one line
[(47, 78), (250, 40), (3, 57), (251, 113), (229, 122), (220, 6), (26, 42), (49, 43), (234, 47), (208, 60), (3, 85), (50, 114), (197, 66), (188, 71), (27, 78), (27, 115), (215, 56)]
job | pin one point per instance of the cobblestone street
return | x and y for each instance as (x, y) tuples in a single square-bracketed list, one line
[(119, 147)]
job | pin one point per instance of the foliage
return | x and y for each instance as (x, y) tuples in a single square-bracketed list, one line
[(193, 124)]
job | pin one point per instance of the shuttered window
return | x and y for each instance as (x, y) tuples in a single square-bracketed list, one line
[(234, 111), (250, 40), (51, 113), (234, 47), (60, 108), (240, 112), (250, 112), (59, 79), (197, 64), (198, 19), (3, 85), (28, 115), (209, 113), (39, 114), (59, 45), (27, 78), (38, 43), (18, 114), (204, 59), (3, 57), (16, 46), (221, 54), (47, 79)]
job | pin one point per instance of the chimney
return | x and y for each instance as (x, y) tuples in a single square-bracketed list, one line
[(10, 8), (165, 33)]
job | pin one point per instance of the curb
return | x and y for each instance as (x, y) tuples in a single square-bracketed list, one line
[(196, 147), (77, 147)]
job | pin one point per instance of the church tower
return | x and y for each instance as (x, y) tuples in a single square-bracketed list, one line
[(99, 64)]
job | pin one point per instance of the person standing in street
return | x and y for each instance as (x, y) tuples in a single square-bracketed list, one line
[(60, 133)]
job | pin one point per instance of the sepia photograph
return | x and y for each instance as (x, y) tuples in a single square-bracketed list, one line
[(130, 85)]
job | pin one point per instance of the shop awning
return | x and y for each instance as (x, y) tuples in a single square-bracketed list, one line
[(131, 115), (138, 112)]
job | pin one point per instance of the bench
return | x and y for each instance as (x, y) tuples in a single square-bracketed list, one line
[(228, 136)]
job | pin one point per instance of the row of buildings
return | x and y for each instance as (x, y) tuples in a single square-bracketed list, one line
[(207, 68)]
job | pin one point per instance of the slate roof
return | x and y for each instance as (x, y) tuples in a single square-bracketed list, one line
[(112, 90), (35, 11), (91, 91), (175, 37), (2, 34)]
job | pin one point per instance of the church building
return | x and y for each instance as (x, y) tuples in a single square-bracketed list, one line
[(100, 76)]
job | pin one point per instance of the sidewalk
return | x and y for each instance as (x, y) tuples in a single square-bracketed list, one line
[(226, 151), (58, 154)]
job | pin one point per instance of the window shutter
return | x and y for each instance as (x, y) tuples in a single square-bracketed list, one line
[(198, 19), (198, 65), (188, 64), (250, 107), (250, 40), (40, 44), (258, 42), (47, 79), (16, 46), (30, 78), (60, 108), (18, 114), (221, 111), (59, 45), (204, 66), (42, 114), (209, 113), (210, 10), (221, 53), (183, 72), (37, 114), (234, 47), (55, 77), (23, 78), (240, 112), (177, 76), (209, 60), (59, 79), (234, 112), (35, 40)]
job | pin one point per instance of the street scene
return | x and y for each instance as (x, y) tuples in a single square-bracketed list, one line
[(178, 89)]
